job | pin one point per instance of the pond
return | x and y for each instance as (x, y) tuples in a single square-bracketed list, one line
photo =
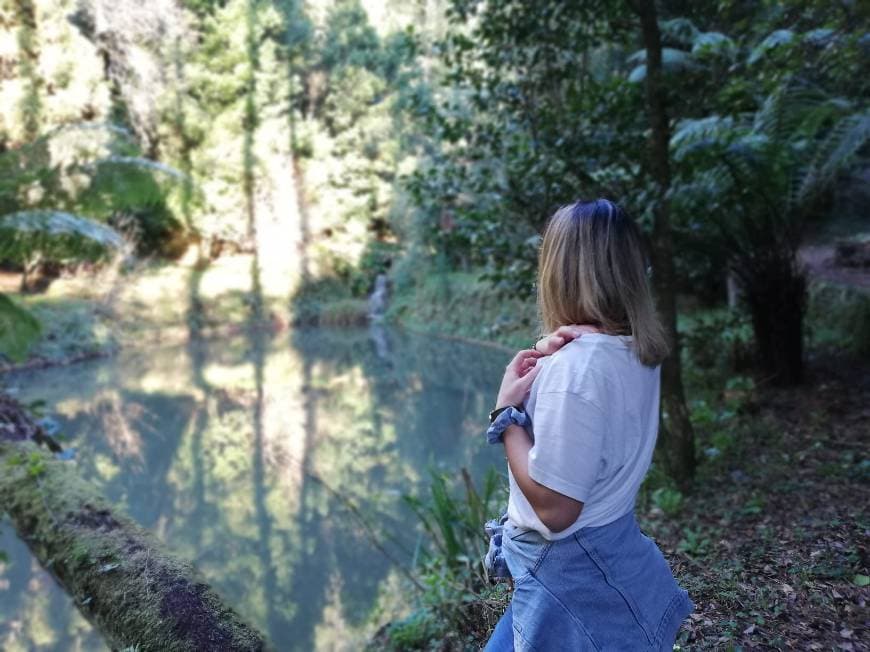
[(277, 464)]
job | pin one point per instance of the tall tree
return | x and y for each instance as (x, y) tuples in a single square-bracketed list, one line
[(679, 440)]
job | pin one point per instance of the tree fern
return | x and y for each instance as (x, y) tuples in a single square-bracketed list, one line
[(54, 235), (690, 134), (680, 30), (673, 60), (713, 43), (774, 40), (830, 155)]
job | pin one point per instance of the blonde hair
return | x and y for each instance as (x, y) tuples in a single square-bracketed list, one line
[(592, 269)]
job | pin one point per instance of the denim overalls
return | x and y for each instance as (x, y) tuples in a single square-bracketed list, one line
[(602, 588)]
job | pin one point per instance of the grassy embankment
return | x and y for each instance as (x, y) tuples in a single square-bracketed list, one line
[(152, 304)]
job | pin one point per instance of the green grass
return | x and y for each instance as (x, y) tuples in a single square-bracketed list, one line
[(328, 302), (71, 328)]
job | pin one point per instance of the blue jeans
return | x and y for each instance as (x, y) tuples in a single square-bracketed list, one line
[(602, 588)]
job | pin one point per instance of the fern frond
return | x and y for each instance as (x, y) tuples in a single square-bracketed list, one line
[(126, 183), (672, 61), (144, 164), (680, 30), (704, 190), (833, 153), (820, 36), (713, 43), (784, 110), (774, 40), (691, 133), (54, 235)]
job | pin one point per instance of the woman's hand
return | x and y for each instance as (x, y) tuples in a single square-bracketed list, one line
[(518, 377), (561, 336)]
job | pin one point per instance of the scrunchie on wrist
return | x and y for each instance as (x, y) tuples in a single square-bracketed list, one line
[(508, 417)]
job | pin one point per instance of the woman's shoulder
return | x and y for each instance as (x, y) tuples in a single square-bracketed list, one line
[(579, 367)]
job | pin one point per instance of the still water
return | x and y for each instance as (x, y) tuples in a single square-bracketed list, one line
[(278, 464)]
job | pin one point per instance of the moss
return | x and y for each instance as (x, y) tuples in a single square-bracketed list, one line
[(122, 579)]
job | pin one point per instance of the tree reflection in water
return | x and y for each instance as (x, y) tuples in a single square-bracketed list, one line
[(277, 466)]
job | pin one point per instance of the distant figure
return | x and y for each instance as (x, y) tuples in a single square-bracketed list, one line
[(578, 414), (378, 298)]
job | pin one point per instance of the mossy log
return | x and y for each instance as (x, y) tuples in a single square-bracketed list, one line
[(120, 576)]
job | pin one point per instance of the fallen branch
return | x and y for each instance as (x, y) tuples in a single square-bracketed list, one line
[(120, 576)]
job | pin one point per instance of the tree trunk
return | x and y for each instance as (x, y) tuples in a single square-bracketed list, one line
[(678, 439), (121, 578), (777, 301)]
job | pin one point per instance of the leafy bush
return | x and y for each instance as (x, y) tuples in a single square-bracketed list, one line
[(670, 501), (839, 317), (458, 602), (720, 340)]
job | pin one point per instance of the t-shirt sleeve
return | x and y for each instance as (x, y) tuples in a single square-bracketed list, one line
[(569, 443)]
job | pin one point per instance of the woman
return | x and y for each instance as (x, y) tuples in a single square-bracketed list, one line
[(579, 415)]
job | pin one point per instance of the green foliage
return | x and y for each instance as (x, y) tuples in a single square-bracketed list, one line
[(451, 564), (33, 464), (839, 317), (694, 543), (455, 525), (54, 235), (352, 90), (415, 631), (327, 301), (349, 40), (669, 500), (81, 169), (521, 100), (718, 339), (432, 300), (19, 330)]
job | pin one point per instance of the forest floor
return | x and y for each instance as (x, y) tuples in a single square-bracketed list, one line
[(773, 544)]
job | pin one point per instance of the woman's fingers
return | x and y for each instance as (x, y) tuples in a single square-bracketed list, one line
[(526, 381), (515, 364), (527, 364), (566, 333)]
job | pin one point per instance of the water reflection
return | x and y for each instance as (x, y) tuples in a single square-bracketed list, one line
[(277, 465)]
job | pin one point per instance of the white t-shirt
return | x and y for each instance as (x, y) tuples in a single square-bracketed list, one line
[(594, 409)]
